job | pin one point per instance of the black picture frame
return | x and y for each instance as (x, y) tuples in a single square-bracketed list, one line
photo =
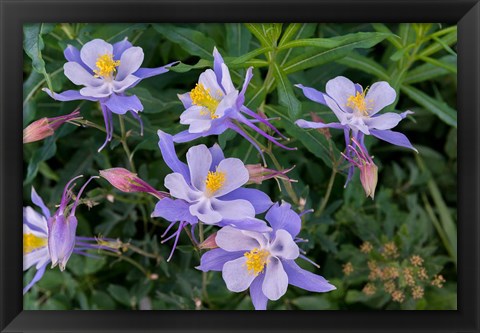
[(14, 13)]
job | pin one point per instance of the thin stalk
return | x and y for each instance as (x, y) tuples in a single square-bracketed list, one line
[(123, 140), (327, 194)]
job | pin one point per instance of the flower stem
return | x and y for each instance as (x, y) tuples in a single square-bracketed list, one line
[(123, 140), (327, 194)]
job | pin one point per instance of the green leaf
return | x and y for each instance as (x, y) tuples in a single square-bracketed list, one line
[(344, 45), (317, 302), (452, 68), (290, 33), (286, 97), (441, 109), (449, 39), (120, 294), (329, 43), (266, 33), (428, 71), (364, 64), (380, 27), (183, 68), (313, 140), (46, 152), (192, 41), (237, 39), (33, 45)]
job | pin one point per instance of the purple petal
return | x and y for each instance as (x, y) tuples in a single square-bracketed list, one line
[(199, 161), (340, 89), (260, 201), (217, 156), (259, 300), (34, 221), (169, 155), (341, 115), (71, 53), (304, 279), (384, 121), (94, 49), (144, 73), (107, 118), (120, 47), (69, 95), (262, 120), (39, 202), (130, 62), (248, 138), (283, 217), (276, 280), (217, 65), (36, 278), (214, 260), (173, 211), (236, 276), (61, 239), (395, 138), (379, 96), (312, 94), (121, 104), (185, 99), (313, 124), (227, 83), (241, 96)]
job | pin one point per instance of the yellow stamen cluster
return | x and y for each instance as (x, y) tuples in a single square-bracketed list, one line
[(358, 102), (256, 260), (369, 289), (106, 66), (32, 243), (390, 250), (214, 181), (398, 296), (416, 260), (202, 97), (438, 281), (417, 292)]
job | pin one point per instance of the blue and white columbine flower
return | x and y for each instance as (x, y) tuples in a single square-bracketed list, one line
[(106, 71), (357, 109), (263, 262), (214, 106), (52, 239), (208, 189)]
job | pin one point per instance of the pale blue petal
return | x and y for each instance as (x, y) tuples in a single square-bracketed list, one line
[(79, 75), (284, 246), (199, 161), (232, 239), (380, 95), (340, 89), (217, 156), (130, 62), (204, 211), (313, 124), (120, 47), (217, 64), (185, 99), (236, 276), (36, 278), (227, 80), (144, 73), (179, 188), (102, 91), (71, 53), (94, 49), (247, 224), (384, 121), (236, 175), (276, 280)]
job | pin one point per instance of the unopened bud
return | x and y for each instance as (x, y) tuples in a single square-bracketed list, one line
[(209, 243), (127, 181), (257, 174), (45, 127)]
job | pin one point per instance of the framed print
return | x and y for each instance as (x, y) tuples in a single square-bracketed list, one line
[(186, 165)]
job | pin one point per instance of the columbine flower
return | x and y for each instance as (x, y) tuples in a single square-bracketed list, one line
[(263, 262), (208, 189), (357, 109), (368, 170), (106, 71), (129, 182), (45, 127), (41, 243), (214, 106)]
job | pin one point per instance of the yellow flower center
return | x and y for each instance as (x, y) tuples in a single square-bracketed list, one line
[(359, 103), (106, 66), (202, 97), (32, 243), (256, 260), (214, 181)]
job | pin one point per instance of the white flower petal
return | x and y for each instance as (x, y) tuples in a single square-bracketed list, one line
[(340, 89), (130, 62), (236, 175), (276, 279), (284, 246), (236, 276), (180, 189), (232, 239), (227, 80), (199, 160), (94, 49), (78, 75)]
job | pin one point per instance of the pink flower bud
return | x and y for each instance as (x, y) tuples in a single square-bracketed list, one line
[(129, 182), (45, 127), (209, 243), (368, 170), (258, 173)]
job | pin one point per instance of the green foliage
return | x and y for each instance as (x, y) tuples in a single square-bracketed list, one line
[(415, 202)]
